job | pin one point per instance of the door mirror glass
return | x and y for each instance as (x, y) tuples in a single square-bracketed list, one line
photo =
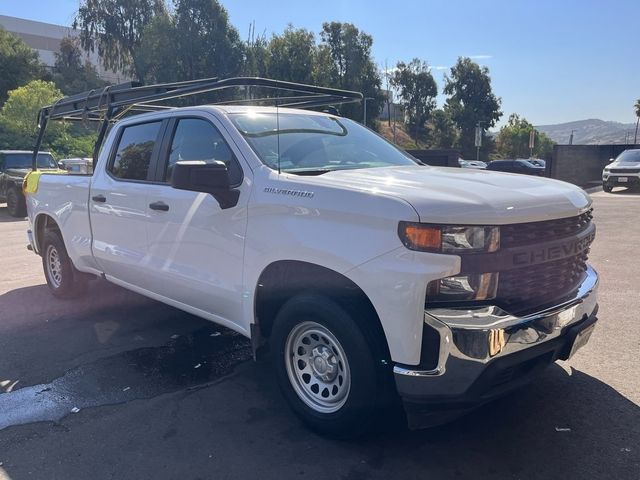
[(206, 177)]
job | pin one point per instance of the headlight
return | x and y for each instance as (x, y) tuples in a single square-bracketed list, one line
[(449, 239), (463, 288)]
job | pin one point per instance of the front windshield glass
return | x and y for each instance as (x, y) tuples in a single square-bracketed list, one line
[(629, 156), (316, 143), (23, 160)]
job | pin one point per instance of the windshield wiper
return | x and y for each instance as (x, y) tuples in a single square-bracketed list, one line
[(310, 171)]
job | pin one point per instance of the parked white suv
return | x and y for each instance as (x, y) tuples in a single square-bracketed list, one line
[(365, 273), (623, 171)]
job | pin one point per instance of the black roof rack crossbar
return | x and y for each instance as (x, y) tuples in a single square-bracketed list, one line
[(113, 101)]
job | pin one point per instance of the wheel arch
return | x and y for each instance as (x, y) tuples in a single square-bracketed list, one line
[(283, 279), (41, 224)]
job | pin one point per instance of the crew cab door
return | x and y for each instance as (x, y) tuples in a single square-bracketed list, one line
[(195, 246), (118, 204)]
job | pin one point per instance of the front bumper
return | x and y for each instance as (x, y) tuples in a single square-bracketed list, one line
[(613, 180), (486, 352)]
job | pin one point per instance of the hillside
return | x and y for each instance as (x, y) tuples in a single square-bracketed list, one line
[(589, 132), (402, 137)]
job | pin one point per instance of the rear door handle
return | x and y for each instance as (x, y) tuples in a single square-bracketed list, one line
[(163, 207), (99, 198)]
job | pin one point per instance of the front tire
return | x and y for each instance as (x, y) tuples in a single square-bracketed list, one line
[(607, 188), (326, 367), (16, 205), (62, 278)]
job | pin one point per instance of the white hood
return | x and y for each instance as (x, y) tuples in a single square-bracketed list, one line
[(465, 196), (624, 165)]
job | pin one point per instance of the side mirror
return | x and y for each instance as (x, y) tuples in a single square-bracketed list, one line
[(611, 160), (201, 176)]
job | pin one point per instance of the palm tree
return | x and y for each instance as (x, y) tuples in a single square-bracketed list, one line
[(636, 107)]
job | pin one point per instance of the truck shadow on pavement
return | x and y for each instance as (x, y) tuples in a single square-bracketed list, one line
[(166, 382), (563, 425)]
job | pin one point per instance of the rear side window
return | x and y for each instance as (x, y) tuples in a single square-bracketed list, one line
[(135, 148), (197, 139)]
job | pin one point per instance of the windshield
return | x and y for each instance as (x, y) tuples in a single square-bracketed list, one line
[(529, 163), (23, 160), (629, 156), (316, 143)]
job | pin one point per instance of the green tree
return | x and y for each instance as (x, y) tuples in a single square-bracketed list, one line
[(513, 140), (417, 90), (471, 101), (20, 111), (114, 28), (256, 56), (18, 122), (324, 69), (18, 63), (351, 67), (443, 132), (71, 74), (292, 55), (207, 44), (158, 51), (636, 107)]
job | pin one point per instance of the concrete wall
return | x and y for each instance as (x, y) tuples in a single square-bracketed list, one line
[(582, 164), (437, 158), (45, 39)]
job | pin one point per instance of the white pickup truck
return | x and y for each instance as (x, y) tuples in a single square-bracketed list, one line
[(364, 272)]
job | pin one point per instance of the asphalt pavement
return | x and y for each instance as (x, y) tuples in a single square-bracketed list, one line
[(116, 386)]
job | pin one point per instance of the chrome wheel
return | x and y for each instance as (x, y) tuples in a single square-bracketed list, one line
[(54, 266), (317, 367)]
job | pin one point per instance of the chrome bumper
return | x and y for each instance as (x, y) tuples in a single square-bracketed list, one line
[(472, 340)]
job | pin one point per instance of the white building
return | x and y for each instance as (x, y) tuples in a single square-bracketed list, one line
[(45, 39)]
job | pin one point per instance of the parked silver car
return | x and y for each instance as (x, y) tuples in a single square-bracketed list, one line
[(623, 171)]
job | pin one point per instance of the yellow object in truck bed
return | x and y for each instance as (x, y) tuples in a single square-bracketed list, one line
[(30, 182)]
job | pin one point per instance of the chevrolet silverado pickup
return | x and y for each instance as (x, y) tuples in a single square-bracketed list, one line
[(366, 275)]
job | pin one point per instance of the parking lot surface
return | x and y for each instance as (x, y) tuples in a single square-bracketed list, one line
[(160, 394)]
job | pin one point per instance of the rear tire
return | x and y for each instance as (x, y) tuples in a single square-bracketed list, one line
[(327, 370), (16, 205), (63, 279)]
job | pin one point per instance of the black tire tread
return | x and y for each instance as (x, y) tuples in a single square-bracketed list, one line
[(20, 207), (73, 285), (370, 386)]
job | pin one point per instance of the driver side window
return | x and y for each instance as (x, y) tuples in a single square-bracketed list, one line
[(197, 139)]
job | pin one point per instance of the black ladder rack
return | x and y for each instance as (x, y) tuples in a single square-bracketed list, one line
[(112, 102)]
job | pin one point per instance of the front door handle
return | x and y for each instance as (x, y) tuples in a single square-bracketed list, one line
[(99, 198), (163, 207)]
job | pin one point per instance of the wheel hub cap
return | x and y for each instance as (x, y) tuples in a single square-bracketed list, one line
[(54, 266), (324, 364), (317, 367)]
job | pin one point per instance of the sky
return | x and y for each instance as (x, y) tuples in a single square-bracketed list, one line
[(550, 61)]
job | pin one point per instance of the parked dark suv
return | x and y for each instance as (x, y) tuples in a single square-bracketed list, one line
[(14, 166), (516, 166)]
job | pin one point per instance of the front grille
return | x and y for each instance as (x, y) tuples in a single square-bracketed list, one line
[(521, 234), (539, 284), (625, 170)]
